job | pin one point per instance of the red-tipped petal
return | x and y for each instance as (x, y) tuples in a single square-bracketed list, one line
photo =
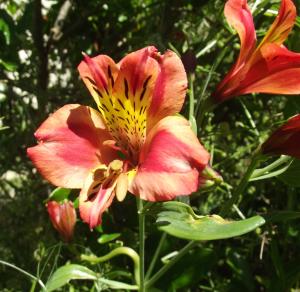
[(285, 140), (282, 25), (170, 161), (170, 88), (70, 145), (239, 16), (99, 74)]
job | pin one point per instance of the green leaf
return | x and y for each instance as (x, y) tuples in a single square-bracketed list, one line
[(105, 238), (179, 220), (65, 274), (59, 194), (291, 176), (9, 66), (5, 30)]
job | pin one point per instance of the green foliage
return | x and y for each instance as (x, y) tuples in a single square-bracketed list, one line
[(179, 220)]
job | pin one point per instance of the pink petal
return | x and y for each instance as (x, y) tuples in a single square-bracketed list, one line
[(92, 205), (70, 145), (170, 161), (277, 71), (170, 88), (282, 25), (63, 218)]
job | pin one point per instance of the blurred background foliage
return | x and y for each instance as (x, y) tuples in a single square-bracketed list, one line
[(41, 45)]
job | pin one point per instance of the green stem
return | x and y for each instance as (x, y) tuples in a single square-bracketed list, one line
[(191, 95), (241, 186), (25, 273), (155, 256), (141, 216), (117, 251), (165, 268), (261, 171)]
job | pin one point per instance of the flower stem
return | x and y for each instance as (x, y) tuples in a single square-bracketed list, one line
[(25, 273), (241, 186), (141, 216), (165, 268), (156, 255), (117, 251)]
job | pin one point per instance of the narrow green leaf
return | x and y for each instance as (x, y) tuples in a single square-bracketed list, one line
[(65, 274), (105, 238), (5, 30), (179, 220)]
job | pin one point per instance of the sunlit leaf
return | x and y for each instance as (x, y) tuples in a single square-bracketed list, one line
[(179, 220), (105, 238), (59, 194), (65, 274)]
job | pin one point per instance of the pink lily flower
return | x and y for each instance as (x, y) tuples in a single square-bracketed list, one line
[(63, 218), (285, 140), (265, 68), (134, 142)]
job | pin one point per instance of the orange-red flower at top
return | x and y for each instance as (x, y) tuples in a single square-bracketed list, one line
[(285, 140), (265, 68), (134, 142)]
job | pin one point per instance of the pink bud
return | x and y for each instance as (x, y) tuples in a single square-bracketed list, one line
[(63, 218)]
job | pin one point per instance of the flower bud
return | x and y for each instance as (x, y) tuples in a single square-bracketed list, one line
[(285, 140), (63, 218)]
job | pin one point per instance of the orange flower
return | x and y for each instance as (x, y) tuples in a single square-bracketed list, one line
[(135, 142), (265, 68)]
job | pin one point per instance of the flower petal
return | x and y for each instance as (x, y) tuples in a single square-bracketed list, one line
[(92, 206), (282, 25), (132, 95), (170, 88), (239, 16), (70, 145), (170, 161), (285, 140), (277, 71), (99, 74)]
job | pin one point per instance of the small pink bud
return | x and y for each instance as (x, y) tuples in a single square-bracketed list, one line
[(63, 218)]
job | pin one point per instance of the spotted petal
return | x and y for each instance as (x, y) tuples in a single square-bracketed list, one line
[(70, 145), (170, 161)]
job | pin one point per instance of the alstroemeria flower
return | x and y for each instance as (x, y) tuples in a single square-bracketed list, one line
[(285, 140), (265, 68), (63, 218), (133, 143)]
